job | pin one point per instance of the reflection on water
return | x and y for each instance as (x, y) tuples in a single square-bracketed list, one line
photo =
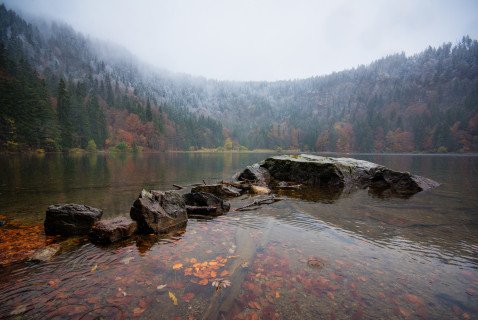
[(380, 258)]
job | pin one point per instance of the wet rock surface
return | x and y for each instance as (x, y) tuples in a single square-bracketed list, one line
[(158, 211), (45, 254), (109, 231), (219, 190), (340, 174), (70, 219), (255, 173), (202, 203)]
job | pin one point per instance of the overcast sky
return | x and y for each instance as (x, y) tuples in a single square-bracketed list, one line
[(264, 40)]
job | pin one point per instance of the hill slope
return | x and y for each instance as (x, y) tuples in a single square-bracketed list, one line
[(427, 102)]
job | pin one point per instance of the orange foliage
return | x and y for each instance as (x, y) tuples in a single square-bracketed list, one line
[(18, 241)]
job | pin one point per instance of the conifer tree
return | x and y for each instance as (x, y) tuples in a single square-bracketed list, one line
[(64, 116), (149, 113)]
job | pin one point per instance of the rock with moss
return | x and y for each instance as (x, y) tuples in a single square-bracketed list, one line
[(341, 173), (158, 211)]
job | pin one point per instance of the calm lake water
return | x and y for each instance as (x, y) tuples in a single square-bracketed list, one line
[(310, 256)]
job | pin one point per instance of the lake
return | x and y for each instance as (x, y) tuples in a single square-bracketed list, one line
[(313, 255)]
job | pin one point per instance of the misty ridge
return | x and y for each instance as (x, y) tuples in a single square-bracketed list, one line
[(62, 91)]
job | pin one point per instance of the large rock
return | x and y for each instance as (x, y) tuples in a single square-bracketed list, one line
[(158, 211), (343, 173), (219, 190), (202, 203), (109, 231), (70, 219)]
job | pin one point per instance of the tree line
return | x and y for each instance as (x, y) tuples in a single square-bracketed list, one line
[(62, 91)]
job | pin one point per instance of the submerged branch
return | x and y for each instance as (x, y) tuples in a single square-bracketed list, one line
[(259, 202)]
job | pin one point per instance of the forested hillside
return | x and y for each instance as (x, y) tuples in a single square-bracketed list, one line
[(61, 90)]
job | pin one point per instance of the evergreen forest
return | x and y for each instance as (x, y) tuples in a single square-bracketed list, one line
[(62, 91)]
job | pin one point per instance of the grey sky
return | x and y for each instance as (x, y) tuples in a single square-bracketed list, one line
[(264, 39)]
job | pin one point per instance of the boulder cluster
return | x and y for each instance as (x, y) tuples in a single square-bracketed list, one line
[(152, 212), (155, 211)]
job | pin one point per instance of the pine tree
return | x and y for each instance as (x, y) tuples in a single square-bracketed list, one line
[(149, 113), (64, 116)]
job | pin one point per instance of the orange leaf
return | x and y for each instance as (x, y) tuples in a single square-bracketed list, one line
[(93, 300), (54, 283), (330, 295), (334, 287), (142, 303), (203, 282), (193, 260), (253, 316), (213, 274), (277, 294), (188, 296), (177, 266), (224, 273), (137, 311)]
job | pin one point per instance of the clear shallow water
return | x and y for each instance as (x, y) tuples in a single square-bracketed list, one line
[(310, 256)]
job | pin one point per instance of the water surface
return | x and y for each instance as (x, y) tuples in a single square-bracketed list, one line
[(313, 255)]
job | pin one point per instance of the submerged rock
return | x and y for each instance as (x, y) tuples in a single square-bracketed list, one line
[(109, 231), (219, 190), (341, 173), (44, 254), (70, 219), (202, 203), (158, 211)]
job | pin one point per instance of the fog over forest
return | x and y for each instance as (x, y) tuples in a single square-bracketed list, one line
[(65, 87), (263, 40)]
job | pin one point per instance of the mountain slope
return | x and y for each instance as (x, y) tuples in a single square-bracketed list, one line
[(427, 102), (88, 90)]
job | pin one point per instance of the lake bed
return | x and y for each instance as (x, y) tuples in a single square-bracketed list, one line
[(311, 256)]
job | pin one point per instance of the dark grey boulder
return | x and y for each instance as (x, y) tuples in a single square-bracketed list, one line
[(219, 190), (256, 174), (109, 231), (202, 203), (343, 173), (70, 219), (158, 211)]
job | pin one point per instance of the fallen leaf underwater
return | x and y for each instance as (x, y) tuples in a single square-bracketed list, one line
[(289, 275)]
